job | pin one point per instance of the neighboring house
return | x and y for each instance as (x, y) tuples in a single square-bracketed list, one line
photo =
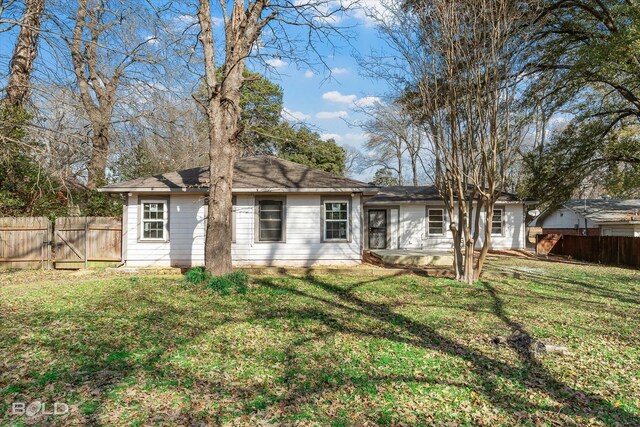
[(592, 217), (285, 213)]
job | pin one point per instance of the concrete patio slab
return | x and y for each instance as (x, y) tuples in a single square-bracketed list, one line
[(418, 258)]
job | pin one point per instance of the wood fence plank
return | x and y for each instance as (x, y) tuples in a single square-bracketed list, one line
[(611, 250), (24, 242)]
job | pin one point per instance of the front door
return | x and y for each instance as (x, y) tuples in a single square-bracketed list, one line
[(377, 229)]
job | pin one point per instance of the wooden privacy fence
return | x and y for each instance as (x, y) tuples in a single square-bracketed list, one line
[(24, 242), (71, 242), (612, 250)]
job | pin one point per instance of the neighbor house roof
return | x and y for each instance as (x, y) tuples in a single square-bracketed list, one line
[(419, 194), (602, 211), (256, 173)]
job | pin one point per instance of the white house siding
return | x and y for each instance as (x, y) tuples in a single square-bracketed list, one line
[(186, 233), (303, 235), (413, 228), (566, 219), (628, 230), (185, 248)]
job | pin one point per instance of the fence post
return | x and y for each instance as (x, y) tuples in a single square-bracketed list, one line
[(86, 243)]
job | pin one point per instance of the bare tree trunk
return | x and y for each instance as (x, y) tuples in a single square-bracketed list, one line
[(221, 133), (487, 240), (99, 154), (223, 113), (399, 159), (414, 170), (24, 54)]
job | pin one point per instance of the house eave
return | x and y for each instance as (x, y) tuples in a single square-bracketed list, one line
[(429, 201), (204, 190)]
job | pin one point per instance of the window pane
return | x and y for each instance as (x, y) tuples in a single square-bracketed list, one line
[(271, 235), (496, 222), (153, 211), (336, 230), (273, 215), (270, 205), (436, 221), (270, 223), (153, 230)]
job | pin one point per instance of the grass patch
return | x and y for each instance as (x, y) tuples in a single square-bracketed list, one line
[(231, 282), (323, 350)]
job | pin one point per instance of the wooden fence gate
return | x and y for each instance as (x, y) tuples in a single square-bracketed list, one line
[(82, 242), (24, 242), (72, 242)]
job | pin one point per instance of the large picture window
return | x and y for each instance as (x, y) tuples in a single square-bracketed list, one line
[(336, 220), (435, 222), (270, 220), (154, 220), (496, 222)]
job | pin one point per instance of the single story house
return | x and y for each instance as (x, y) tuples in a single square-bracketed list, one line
[(285, 213), (592, 217)]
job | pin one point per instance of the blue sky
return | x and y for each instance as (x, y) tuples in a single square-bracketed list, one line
[(323, 99), (329, 100)]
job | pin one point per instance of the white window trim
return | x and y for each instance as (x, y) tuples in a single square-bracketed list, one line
[(165, 220), (444, 222), (325, 220), (493, 232)]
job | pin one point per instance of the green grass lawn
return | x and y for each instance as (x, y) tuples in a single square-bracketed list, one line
[(324, 350)]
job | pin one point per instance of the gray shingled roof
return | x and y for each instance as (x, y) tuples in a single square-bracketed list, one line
[(606, 210), (418, 194), (601, 210), (259, 172)]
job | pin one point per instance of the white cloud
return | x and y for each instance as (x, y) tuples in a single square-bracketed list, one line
[(335, 96), (354, 137), (368, 101), (295, 116), (339, 71), (152, 40), (372, 12), (336, 137), (182, 22), (186, 19), (308, 74), (276, 63), (332, 115)]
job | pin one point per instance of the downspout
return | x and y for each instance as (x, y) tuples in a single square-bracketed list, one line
[(124, 231)]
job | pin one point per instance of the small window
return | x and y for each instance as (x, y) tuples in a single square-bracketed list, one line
[(336, 220), (154, 220), (270, 220), (496, 223), (435, 220)]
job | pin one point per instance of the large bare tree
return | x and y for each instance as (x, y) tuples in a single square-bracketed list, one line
[(24, 53), (285, 29), (462, 66), (109, 48), (394, 135)]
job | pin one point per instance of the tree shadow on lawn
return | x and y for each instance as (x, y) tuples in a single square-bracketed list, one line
[(531, 375), (110, 340), (104, 355), (574, 286)]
